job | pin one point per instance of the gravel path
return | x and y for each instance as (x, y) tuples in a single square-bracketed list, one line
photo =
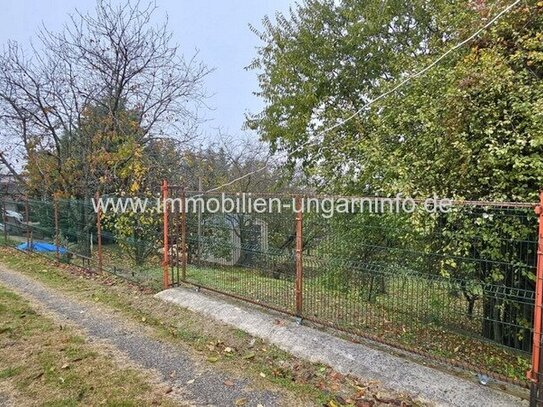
[(198, 384), (5, 400)]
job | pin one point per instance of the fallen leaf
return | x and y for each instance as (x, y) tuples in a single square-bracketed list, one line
[(212, 359), (249, 355), (240, 402), (341, 400), (262, 374), (190, 381), (228, 383), (65, 366)]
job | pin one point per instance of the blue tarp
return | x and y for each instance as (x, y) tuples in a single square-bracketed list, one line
[(42, 247)]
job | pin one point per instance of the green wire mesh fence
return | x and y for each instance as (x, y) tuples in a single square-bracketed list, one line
[(458, 286)]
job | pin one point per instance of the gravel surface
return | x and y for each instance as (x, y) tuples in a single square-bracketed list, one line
[(5, 400), (196, 383)]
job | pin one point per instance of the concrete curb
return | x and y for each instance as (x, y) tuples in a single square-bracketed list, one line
[(361, 361)]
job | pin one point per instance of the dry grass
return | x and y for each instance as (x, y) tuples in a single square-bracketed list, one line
[(44, 363)]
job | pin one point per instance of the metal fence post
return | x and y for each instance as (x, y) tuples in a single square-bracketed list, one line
[(299, 261), (165, 260), (57, 237), (184, 251), (28, 236), (4, 219), (199, 232), (99, 234), (535, 373)]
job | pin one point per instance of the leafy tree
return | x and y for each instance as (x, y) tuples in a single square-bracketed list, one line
[(93, 105), (470, 128), (327, 59)]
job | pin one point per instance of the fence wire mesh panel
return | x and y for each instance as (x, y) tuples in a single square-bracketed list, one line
[(14, 228), (246, 254), (131, 239), (77, 232), (62, 229), (458, 285)]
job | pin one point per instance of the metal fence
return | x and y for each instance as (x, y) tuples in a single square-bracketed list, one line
[(458, 287)]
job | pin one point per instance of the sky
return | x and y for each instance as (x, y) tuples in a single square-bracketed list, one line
[(218, 29)]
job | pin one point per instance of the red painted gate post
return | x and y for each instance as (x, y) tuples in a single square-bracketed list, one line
[(165, 260), (535, 373), (299, 260), (184, 251)]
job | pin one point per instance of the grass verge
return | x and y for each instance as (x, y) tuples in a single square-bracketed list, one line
[(51, 365)]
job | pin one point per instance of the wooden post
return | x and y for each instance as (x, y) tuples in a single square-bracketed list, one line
[(535, 373), (57, 232), (165, 260), (184, 251), (99, 234), (299, 260)]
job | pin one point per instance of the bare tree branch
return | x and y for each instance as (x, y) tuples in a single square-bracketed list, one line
[(117, 58)]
